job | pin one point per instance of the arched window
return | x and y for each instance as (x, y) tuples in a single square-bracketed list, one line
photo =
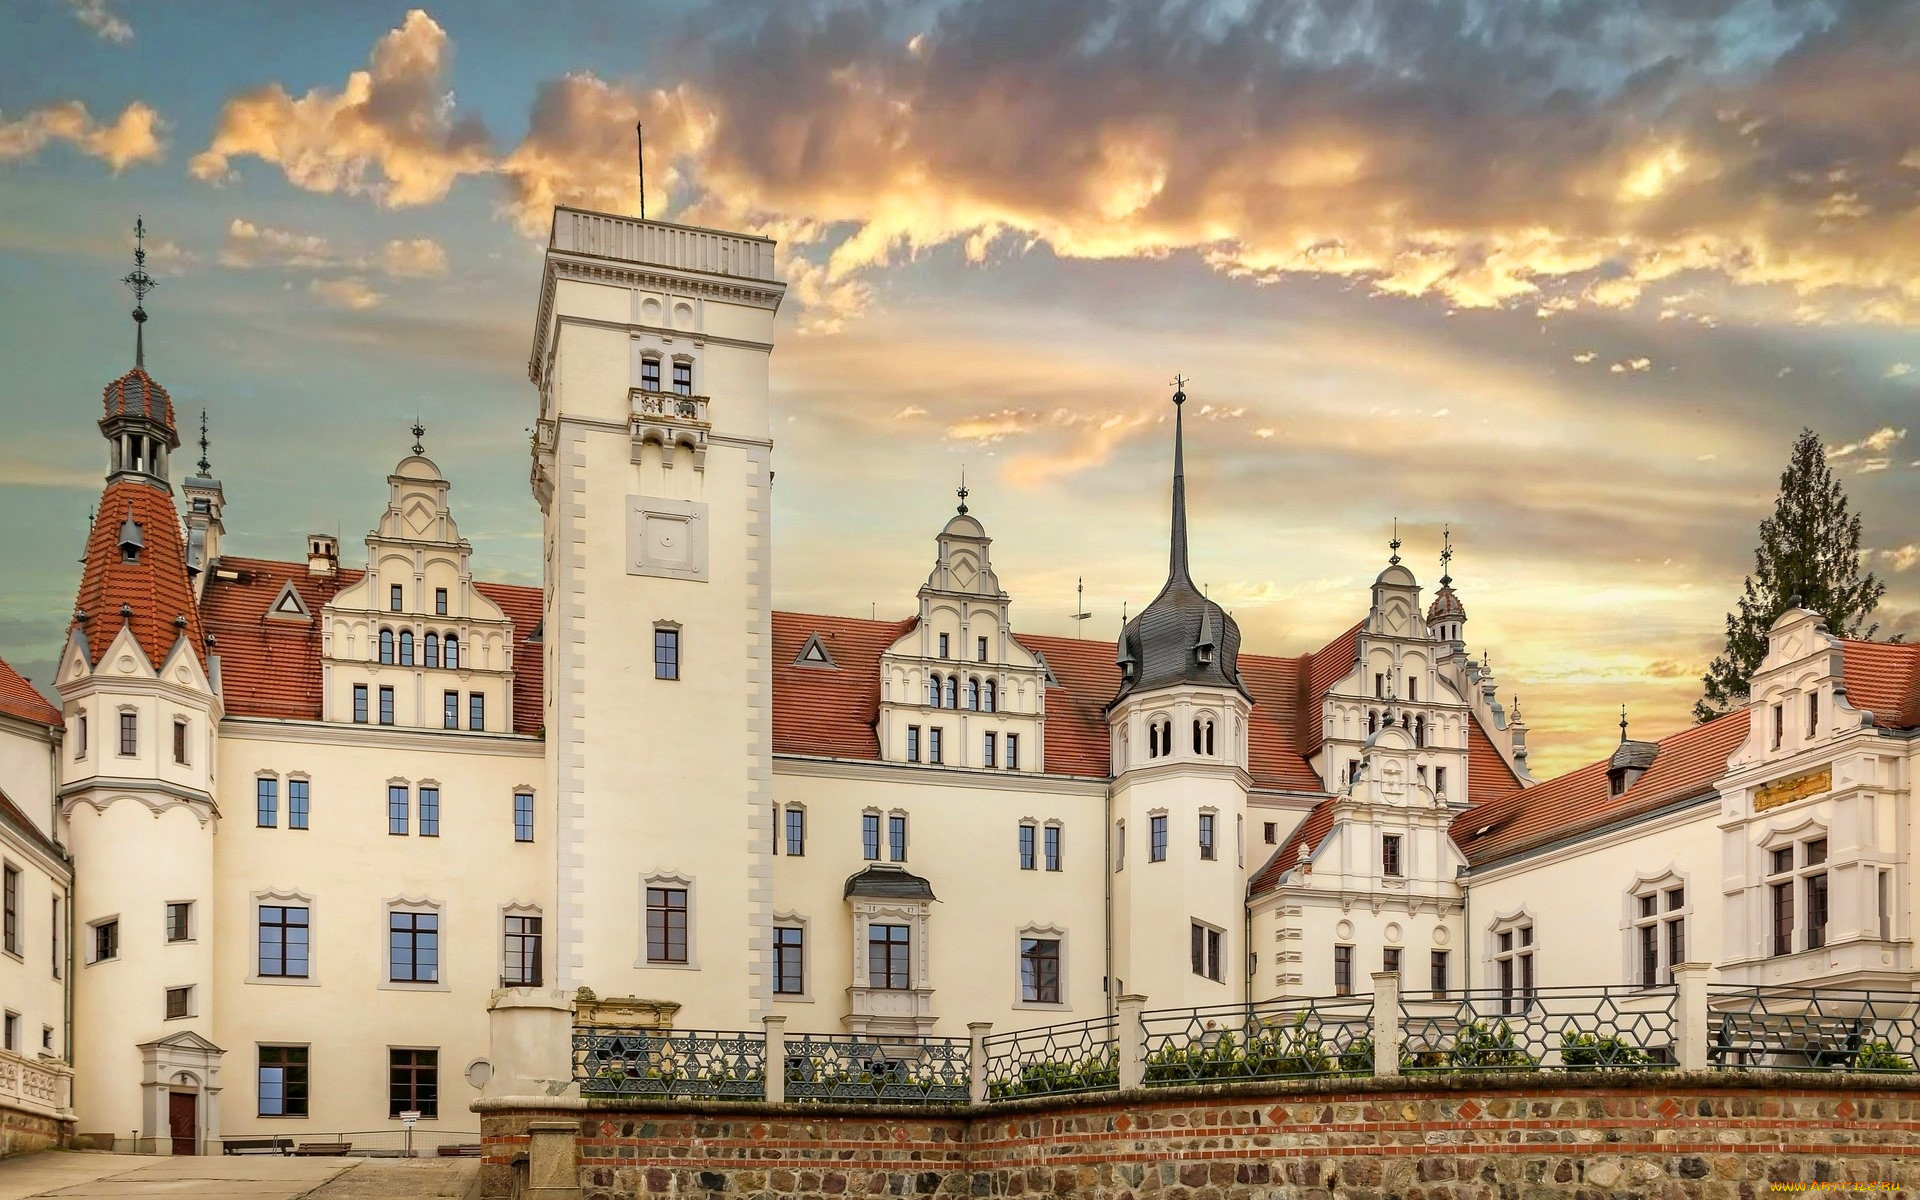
[(433, 650), (973, 694), (386, 645), (1153, 739), (1373, 720), (987, 696), (453, 653), (1203, 737), (953, 691), (933, 690), (1420, 731), (406, 647)]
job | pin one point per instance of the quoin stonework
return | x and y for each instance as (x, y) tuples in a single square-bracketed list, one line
[(294, 825)]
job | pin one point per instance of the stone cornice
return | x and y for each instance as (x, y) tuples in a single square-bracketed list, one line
[(385, 737), (924, 773), (562, 264)]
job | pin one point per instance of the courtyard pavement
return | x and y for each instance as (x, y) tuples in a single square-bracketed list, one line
[(72, 1175)]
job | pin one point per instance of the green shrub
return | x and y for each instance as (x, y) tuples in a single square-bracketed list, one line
[(1881, 1056), (1476, 1047), (1585, 1051)]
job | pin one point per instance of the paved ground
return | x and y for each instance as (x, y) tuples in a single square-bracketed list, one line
[(92, 1176)]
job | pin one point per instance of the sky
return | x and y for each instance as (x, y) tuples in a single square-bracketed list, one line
[(1564, 278)]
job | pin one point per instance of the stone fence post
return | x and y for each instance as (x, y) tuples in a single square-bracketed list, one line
[(1386, 1023), (977, 1061), (530, 1043), (553, 1160), (1690, 1020), (775, 1070), (1130, 1039)]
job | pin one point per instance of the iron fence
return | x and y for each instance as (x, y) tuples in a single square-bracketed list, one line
[(1082, 1056), (1278, 1039), (683, 1064), (1543, 1028), (1812, 1029), (905, 1070)]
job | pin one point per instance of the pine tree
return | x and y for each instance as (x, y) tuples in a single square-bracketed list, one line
[(1810, 554)]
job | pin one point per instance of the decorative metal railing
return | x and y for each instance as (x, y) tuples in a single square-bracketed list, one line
[(1279, 1039), (1081, 1056), (1812, 1029), (671, 1063), (920, 1070), (1574, 1028)]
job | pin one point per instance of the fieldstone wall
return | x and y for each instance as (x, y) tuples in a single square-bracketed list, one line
[(25, 1132), (1518, 1136)]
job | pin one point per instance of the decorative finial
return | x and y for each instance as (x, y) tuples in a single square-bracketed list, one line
[(1623, 724), (961, 491), (1080, 612), (1179, 389), (1394, 545), (204, 465), (1446, 556), (141, 283), (419, 431), (1516, 708)]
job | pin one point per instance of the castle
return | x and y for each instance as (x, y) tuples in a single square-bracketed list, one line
[(294, 822)]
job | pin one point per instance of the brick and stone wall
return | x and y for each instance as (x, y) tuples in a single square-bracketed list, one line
[(1535, 1135), (25, 1132)]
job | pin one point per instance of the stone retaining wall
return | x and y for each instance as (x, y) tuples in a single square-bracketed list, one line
[(25, 1132), (1520, 1136)]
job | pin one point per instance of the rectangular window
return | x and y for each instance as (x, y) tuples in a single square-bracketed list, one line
[(1206, 835), (1390, 960), (386, 706), (129, 733), (180, 742), (283, 1081), (283, 941), (1437, 981), (450, 710), (397, 809), (933, 745), (1816, 911), (1816, 852), (1440, 780), (1781, 860), (981, 650), (11, 888), (683, 378), (1676, 944), (360, 703), (106, 941), (666, 654), (1813, 714), (1157, 839), (1040, 970), (796, 831), (1270, 833), (1053, 847), (522, 816), (1013, 752), (1883, 897), (46, 1038), (393, 597), (266, 803), (870, 836), (413, 1083), (1119, 845), (476, 711), (897, 837), (650, 374), (523, 952), (179, 1003), (789, 961), (439, 602), (413, 947), (296, 804), (1649, 955), (80, 737), (943, 645), (1390, 854), (1206, 952), (1782, 918), (1779, 726), (1343, 970), (11, 1036), (913, 743), (1027, 859), (666, 925), (429, 812), (887, 962), (180, 921), (987, 759), (59, 931)]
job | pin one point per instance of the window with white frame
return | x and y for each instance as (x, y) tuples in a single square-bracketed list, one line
[(1658, 921), (789, 960), (669, 912), (1157, 838), (1513, 963), (413, 946), (1040, 967), (796, 831), (1029, 855), (1207, 845), (1052, 845), (284, 940), (1207, 944), (1797, 895), (897, 837)]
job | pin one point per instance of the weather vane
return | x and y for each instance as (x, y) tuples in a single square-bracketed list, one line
[(961, 491), (1179, 389), (1394, 545), (1080, 612), (1446, 555), (141, 283), (205, 466), (419, 431)]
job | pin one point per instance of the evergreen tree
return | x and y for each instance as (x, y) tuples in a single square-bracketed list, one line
[(1809, 552)]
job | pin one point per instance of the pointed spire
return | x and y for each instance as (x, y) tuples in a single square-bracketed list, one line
[(1393, 560), (1177, 564), (1623, 724), (1446, 555), (203, 464), (141, 283)]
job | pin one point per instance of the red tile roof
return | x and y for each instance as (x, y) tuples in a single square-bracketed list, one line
[(1077, 739), (1326, 667), (271, 667), (829, 710), (1488, 774), (155, 590), (19, 699), (1311, 831), (1884, 678), (1687, 765)]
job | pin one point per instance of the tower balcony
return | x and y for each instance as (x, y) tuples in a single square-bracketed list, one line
[(670, 420)]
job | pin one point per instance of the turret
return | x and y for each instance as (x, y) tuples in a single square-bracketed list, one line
[(206, 502)]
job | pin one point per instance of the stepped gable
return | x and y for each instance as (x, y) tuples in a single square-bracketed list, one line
[(1685, 768), (154, 591), (19, 699), (271, 667)]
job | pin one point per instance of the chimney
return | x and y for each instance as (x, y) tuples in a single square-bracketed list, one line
[(323, 554)]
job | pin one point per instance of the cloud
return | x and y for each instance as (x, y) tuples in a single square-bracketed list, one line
[(1875, 444), (1584, 357), (909, 412), (390, 132), (132, 137), (248, 246), (1899, 370), (349, 292), (1632, 364), (99, 17), (413, 258), (1902, 558)]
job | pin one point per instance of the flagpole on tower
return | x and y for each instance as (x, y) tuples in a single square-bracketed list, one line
[(640, 152)]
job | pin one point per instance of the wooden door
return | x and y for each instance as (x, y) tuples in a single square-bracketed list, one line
[(182, 1108)]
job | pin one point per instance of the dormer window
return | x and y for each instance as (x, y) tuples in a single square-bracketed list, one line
[(650, 374), (131, 540), (1203, 653)]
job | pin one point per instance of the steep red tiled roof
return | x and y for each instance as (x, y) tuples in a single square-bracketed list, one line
[(271, 668), (1325, 667), (1488, 774), (18, 699), (1077, 739), (1686, 766), (1884, 678), (829, 710), (1318, 824), (155, 589)]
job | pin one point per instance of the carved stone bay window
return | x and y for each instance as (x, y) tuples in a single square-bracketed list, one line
[(890, 995)]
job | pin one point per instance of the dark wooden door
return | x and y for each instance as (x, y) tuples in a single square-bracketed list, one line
[(182, 1107)]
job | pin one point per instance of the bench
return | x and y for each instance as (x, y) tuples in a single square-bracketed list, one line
[(256, 1145), (460, 1150), (1746, 1039), (322, 1149)]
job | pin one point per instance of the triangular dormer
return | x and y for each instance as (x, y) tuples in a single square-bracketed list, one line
[(815, 654), (288, 606)]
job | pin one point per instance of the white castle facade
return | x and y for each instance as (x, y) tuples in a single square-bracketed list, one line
[(294, 823)]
